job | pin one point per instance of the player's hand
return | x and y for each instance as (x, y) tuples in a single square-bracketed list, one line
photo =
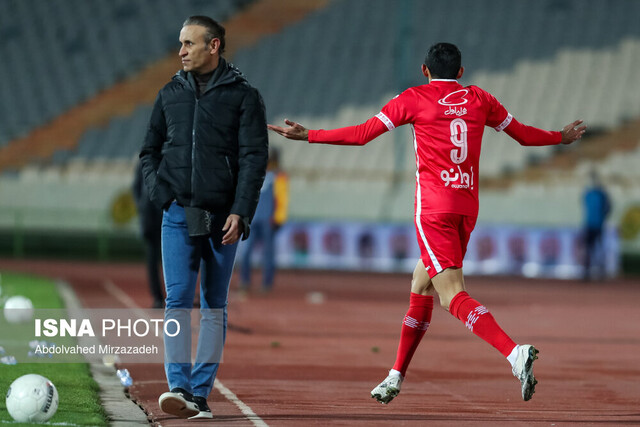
[(294, 131), (233, 229), (572, 132)]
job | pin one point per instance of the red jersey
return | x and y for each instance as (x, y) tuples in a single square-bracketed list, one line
[(448, 121)]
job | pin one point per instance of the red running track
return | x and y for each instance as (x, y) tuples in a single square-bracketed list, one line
[(296, 363)]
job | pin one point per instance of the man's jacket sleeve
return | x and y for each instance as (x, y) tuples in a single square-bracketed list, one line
[(253, 154), (151, 156)]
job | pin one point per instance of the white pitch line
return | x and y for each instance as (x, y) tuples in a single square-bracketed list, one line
[(125, 299), (244, 408)]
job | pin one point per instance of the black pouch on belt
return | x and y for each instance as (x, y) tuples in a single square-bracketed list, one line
[(198, 221)]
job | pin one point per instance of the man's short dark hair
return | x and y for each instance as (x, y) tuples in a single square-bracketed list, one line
[(443, 61), (214, 29)]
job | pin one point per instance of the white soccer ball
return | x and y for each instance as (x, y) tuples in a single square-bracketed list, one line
[(32, 398), (18, 309)]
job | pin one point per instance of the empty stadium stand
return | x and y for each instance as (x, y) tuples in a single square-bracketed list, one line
[(58, 54), (548, 61)]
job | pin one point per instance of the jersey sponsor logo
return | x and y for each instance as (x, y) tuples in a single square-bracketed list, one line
[(457, 179), (454, 98), (455, 111)]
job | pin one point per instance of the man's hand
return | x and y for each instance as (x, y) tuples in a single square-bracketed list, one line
[(572, 132), (233, 229), (294, 131)]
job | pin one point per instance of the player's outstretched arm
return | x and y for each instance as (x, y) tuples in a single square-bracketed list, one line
[(533, 136), (572, 132), (293, 131), (350, 135)]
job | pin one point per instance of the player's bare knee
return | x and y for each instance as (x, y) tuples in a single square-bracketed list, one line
[(448, 284), (419, 286), (420, 281), (446, 294), (445, 301)]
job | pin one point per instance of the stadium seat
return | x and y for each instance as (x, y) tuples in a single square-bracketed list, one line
[(81, 53), (336, 67)]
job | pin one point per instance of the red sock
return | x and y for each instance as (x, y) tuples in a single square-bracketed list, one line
[(479, 321), (414, 326)]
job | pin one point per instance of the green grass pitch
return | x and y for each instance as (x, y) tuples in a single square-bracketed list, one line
[(78, 392)]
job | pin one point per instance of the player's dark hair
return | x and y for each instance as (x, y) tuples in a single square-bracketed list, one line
[(443, 61), (214, 29)]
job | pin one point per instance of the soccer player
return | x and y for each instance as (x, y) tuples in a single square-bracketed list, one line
[(447, 121)]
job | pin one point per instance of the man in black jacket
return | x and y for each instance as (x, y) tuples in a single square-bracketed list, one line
[(204, 160)]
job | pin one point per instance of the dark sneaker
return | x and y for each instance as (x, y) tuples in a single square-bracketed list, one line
[(178, 402), (205, 411)]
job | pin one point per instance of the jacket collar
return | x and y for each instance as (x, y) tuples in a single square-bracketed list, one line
[(225, 73)]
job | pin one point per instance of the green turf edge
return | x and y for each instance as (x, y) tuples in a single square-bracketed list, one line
[(78, 392)]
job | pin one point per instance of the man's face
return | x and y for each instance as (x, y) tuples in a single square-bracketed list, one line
[(197, 56)]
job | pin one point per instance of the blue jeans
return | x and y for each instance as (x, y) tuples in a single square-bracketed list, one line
[(261, 232), (182, 258)]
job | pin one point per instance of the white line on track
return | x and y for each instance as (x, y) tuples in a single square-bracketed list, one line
[(125, 299), (128, 302), (244, 408)]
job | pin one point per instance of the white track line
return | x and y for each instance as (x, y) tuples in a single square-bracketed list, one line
[(125, 299), (244, 408)]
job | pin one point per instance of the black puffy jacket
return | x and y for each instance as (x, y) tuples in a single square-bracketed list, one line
[(209, 152)]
